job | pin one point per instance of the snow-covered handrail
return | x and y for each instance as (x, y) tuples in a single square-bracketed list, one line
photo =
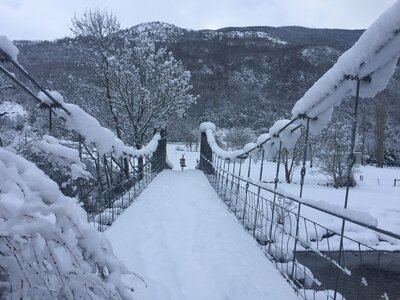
[(285, 131), (92, 131), (9, 53), (209, 128), (75, 118), (372, 60)]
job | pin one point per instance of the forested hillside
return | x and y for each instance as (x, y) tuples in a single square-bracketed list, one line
[(245, 77)]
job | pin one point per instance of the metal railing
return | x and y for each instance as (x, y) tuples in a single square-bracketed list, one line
[(112, 202), (321, 261)]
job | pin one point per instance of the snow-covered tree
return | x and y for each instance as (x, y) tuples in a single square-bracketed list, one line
[(138, 85), (47, 248), (3, 83), (94, 31), (290, 159)]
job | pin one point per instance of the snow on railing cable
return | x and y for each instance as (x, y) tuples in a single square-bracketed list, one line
[(208, 128), (8, 53), (284, 131), (7, 49), (372, 59), (92, 131), (49, 249)]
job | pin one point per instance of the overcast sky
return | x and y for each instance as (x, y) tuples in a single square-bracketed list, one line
[(50, 19)]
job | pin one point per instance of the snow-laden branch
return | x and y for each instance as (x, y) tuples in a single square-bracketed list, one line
[(92, 131), (52, 146), (372, 59), (48, 249)]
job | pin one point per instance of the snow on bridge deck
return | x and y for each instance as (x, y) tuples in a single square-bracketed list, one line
[(181, 239)]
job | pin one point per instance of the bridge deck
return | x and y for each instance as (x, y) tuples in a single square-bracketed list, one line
[(185, 244)]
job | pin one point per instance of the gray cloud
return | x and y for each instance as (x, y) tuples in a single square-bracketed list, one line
[(50, 19)]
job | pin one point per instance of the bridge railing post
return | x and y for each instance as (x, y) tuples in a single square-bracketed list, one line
[(205, 155), (159, 158)]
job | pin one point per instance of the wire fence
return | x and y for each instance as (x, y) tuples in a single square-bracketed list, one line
[(319, 261)]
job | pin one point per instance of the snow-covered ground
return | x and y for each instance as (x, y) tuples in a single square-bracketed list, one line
[(375, 194), (185, 244)]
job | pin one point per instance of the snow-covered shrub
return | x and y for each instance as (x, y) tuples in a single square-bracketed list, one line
[(11, 121), (333, 152), (47, 248), (59, 159), (236, 138), (391, 158)]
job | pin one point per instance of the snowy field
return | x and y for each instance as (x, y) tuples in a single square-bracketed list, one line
[(185, 244), (375, 194)]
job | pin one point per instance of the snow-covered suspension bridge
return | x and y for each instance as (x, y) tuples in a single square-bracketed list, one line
[(178, 237), (188, 246)]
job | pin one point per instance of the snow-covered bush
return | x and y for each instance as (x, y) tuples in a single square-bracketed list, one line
[(236, 138), (391, 158), (58, 159), (11, 121), (47, 248), (333, 153)]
